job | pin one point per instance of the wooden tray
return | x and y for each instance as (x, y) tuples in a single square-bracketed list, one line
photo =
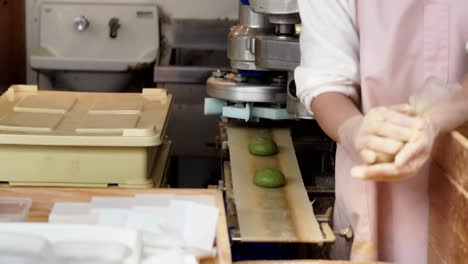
[(44, 199)]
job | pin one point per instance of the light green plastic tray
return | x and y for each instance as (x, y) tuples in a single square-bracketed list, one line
[(80, 139)]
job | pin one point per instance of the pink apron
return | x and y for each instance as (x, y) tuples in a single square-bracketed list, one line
[(403, 43)]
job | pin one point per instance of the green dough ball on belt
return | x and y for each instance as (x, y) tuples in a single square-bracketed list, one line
[(263, 147), (269, 178)]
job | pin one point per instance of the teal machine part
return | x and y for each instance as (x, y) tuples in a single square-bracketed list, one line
[(245, 111)]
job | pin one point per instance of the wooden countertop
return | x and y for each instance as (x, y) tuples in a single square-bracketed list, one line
[(304, 262)]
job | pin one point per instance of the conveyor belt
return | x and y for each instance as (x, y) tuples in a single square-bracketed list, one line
[(270, 215)]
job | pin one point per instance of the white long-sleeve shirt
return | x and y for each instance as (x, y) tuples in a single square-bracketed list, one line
[(329, 49)]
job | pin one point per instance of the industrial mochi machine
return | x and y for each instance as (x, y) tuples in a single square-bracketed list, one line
[(257, 98), (264, 51)]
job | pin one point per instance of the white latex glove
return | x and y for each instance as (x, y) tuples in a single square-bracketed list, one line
[(408, 161), (444, 108), (347, 133), (441, 109), (379, 135), (384, 132), (362, 251)]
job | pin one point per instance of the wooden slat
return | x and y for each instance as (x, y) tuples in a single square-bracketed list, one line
[(448, 241), (450, 204), (304, 262), (44, 199), (270, 215), (452, 155), (448, 222)]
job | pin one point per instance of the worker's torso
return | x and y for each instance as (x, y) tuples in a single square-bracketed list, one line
[(403, 43), (406, 42)]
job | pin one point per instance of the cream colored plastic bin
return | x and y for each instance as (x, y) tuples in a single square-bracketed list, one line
[(80, 139)]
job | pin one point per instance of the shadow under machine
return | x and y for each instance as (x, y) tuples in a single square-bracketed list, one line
[(257, 98)]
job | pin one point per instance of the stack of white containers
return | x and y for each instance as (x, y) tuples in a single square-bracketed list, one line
[(148, 229), (171, 226), (27, 243)]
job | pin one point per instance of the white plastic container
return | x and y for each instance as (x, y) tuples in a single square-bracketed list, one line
[(24, 248), (14, 209), (80, 139), (77, 213), (86, 252), (75, 244)]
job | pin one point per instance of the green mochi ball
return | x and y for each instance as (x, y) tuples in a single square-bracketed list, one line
[(269, 178), (263, 147)]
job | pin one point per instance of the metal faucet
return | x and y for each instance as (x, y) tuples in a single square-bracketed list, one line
[(81, 23), (114, 25)]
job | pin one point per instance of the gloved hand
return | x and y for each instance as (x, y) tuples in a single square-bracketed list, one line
[(440, 109), (444, 108), (384, 132), (408, 161), (347, 133), (379, 135), (363, 251)]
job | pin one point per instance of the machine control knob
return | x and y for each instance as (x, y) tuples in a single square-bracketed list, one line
[(81, 23)]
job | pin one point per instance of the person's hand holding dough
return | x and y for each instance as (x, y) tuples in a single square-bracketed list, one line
[(384, 131), (409, 158), (439, 108)]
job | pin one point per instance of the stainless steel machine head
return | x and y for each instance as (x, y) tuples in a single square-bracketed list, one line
[(264, 51), (241, 39), (279, 11)]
